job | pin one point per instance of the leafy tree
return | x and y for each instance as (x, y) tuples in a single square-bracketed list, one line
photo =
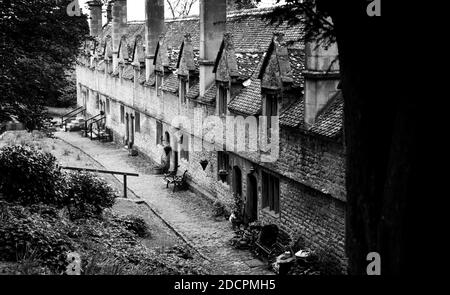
[(240, 4), (180, 7), (40, 43), (381, 124)]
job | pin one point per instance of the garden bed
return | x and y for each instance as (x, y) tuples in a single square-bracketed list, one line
[(124, 239)]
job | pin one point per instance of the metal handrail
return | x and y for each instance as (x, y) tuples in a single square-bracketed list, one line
[(125, 174), (71, 113), (96, 122), (87, 121)]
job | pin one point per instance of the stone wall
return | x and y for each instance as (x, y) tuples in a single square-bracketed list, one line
[(310, 169)]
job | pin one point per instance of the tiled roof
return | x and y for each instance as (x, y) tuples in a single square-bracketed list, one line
[(296, 58), (250, 32), (210, 94), (115, 73), (141, 78), (329, 122), (100, 65), (248, 102), (128, 72), (247, 63), (151, 79), (293, 116), (193, 92), (170, 83)]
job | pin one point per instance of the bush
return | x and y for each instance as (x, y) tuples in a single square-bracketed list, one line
[(88, 195), (136, 225), (219, 209), (29, 176), (26, 235)]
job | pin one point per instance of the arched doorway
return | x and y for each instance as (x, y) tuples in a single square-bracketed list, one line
[(237, 185), (127, 129), (237, 181), (251, 206)]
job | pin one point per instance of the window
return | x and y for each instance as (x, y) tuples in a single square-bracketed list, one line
[(108, 107), (97, 101), (223, 95), (158, 84), (184, 153), (223, 161), (270, 192), (271, 110), (122, 114), (183, 89), (137, 121), (159, 131)]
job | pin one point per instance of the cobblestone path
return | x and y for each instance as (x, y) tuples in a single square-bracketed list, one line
[(188, 214)]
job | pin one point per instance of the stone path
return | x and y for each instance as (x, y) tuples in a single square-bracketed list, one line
[(188, 214)]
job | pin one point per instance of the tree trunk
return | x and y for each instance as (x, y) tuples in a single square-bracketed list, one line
[(381, 136)]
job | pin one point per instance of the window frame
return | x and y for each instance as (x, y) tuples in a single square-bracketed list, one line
[(184, 87), (270, 192), (122, 114), (271, 106), (158, 84), (223, 163), (184, 149), (137, 122), (159, 132), (222, 99)]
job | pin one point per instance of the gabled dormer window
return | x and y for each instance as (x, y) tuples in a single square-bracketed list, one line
[(158, 84), (222, 99)]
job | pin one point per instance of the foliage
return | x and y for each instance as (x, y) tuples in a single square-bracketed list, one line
[(136, 225), (29, 176), (33, 236), (240, 4), (219, 209), (40, 42), (180, 7), (88, 195), (238, 207), (311, 15)]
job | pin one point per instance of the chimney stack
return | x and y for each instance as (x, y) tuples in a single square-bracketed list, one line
[(95, 21), (213, 17), (154, 27), (321, 78), (119, 27)]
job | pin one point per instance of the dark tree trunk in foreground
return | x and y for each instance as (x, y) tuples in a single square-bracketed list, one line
[(381, 136)]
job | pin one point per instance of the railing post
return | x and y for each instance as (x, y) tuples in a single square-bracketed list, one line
[(125, 186)]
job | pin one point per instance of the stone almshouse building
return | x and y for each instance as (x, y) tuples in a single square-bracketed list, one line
[(157, 80)]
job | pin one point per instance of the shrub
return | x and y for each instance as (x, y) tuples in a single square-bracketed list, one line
[(88, 195), (219, 209), (136, 225), (30, 237), (29, 176)]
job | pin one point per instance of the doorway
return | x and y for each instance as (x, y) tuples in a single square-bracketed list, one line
[(127, 129), (251, 213)]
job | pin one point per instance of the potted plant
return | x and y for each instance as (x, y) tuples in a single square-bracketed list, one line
[(223, 174), (204, 163)]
